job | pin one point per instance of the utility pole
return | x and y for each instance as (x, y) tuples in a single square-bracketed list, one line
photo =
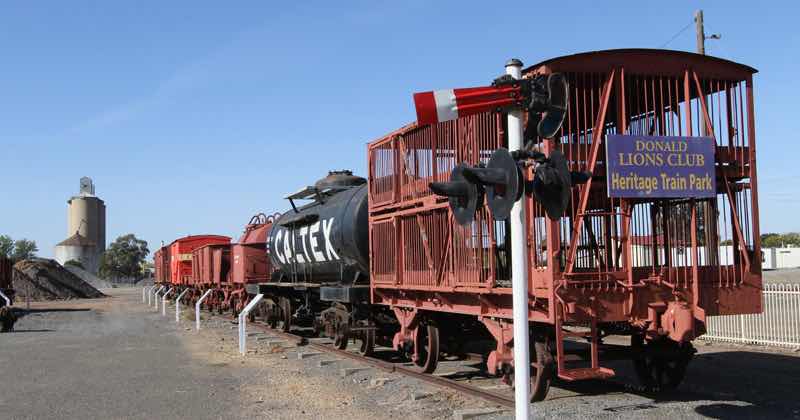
[(701, 34)]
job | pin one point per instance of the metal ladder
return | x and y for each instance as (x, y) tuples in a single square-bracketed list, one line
[(577, 374)]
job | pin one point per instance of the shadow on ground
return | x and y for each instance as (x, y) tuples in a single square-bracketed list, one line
[(728, 384)]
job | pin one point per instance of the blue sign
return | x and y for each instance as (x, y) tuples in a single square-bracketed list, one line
[(660, 166)]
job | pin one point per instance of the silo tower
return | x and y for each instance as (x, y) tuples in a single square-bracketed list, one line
[(86, 228), (86, 214)]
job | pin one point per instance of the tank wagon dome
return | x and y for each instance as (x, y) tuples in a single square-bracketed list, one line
[(645, 61), (340, 179)]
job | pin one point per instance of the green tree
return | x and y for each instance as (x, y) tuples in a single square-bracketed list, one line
[(124, 258), (6, 246), (780, 240), (24, 249)]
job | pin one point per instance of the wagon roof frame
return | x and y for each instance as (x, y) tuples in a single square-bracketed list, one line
[(657, 61)]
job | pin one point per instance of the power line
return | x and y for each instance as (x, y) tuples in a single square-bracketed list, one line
[(677, 34)]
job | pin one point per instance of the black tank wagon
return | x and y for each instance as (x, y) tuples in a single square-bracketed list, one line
[(320, 254)]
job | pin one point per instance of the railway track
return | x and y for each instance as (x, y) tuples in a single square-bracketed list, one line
[(388, 366), (438, 379)]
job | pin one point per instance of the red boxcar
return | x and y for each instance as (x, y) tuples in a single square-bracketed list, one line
[(180, 254), (161, 264), (650, 268)]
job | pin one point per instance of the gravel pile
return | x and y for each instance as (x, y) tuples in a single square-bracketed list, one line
[(90, 278), (43, 279)]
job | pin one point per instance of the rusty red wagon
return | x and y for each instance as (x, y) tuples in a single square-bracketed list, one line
[(161, 265), (227, 268), (653, 269), (180, 256)]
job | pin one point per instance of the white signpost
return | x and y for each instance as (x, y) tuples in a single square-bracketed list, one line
[(243, 323)]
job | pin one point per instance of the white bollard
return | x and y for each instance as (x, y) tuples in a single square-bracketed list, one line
[(164, 302), (178, 305), (150, 294), (155, 296), (144, 293), (153, 292), (519, 270), (243, 322), (5, 298), (197, 308)]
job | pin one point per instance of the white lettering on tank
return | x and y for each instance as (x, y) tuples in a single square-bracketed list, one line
[(297, 256), (326, 232), (304, 249), (312, 238), (277, 247), (287, 249)]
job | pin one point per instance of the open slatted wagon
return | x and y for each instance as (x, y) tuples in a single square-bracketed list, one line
[(653, 269)]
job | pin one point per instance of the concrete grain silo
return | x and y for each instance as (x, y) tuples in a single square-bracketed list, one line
[(79, 248), (86, 227)]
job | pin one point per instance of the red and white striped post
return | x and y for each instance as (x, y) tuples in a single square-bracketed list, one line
[(449, 104)]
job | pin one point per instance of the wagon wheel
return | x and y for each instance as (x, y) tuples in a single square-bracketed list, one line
[(660, 364), (220, 309), (542, 370), (340, 340), (286, 312), (367, 341), (210, 302), (7, 319), (318, 329), (232, 304), (272, 316), (426, 348), (342, 332), (251, 317)]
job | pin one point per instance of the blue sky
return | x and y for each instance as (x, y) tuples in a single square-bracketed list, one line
[(191, 116)]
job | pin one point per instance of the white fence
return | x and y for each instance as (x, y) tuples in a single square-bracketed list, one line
[(778, 325)]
